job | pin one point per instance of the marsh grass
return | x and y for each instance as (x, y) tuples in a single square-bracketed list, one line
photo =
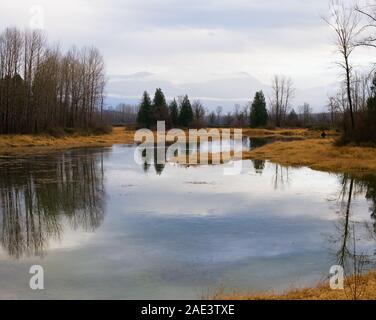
[(321, 291), (31, 144), (318, 154), (308, 150)]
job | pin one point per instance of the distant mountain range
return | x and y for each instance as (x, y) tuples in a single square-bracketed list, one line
[(224, 91)]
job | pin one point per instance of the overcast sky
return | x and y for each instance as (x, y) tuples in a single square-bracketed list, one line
[(181, 41)]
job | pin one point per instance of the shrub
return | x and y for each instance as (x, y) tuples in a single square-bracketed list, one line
[(319, 127), (270, 126), (102, 129), (56, 132), (70, 131), (364, 132)]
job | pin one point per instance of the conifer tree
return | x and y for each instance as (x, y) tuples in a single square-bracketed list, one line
[(174, 113), (144, 118), (292, 118), (259, 115), (186, 113), (160, 110)]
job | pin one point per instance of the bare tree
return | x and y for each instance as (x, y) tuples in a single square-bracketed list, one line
[(361, 91), (219, 111), (369, 12), (305, 112), (333, 108), (198, 113), (43, 88), (345, 23), (280, 99)]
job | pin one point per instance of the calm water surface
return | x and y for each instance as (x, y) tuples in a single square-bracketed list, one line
[(103, 226)]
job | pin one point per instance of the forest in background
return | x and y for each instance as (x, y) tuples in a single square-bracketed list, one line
[(43, 88)]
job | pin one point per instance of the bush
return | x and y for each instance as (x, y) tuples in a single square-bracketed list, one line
[(70, 131), (270, 127), (102, 129), (364, 132), (56, 132), (319, 127)]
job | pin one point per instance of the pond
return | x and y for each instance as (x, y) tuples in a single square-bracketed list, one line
[(104, 227)]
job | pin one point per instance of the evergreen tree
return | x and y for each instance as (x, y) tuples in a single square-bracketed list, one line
[(186, 113), (159, 98), (259, 115), (160, 110), (144, 117), (292, 118), (371, 102), (174, 113)]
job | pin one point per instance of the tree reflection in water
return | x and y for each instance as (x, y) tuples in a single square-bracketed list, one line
[(40, 194), (150, 155), (353, 234), (281, 177)]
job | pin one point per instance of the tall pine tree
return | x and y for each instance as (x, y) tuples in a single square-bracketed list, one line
[(186, 113), (159, 108), (259, 115), (174, 113), (144, 117)]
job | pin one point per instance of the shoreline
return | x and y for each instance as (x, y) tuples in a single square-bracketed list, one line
[(305, 148), (365, 285), (318, 154), (23, 145)]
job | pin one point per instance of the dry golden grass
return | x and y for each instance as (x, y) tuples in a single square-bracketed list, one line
[(311, 151), (366, 286), (31, 144), (293, 132), (319, 154), (22, 144)]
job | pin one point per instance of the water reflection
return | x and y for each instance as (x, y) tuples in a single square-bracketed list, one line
[(202, 152), (281, 177), (191, 153), (354, 241), (191, 230), (258, 165), (39, 195), (368, 185)]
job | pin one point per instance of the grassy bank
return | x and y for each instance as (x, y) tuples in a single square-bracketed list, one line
[(292, 133), (319, 154), (362, 287), (32, 144), (308, 149), (21, 144)]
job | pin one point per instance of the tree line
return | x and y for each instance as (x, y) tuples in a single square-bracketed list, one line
[(181, 112), (355, 102), (275, 110), (42, 87), (176, 113)]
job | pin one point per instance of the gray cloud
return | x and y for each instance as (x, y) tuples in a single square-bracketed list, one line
[(194, 47)]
